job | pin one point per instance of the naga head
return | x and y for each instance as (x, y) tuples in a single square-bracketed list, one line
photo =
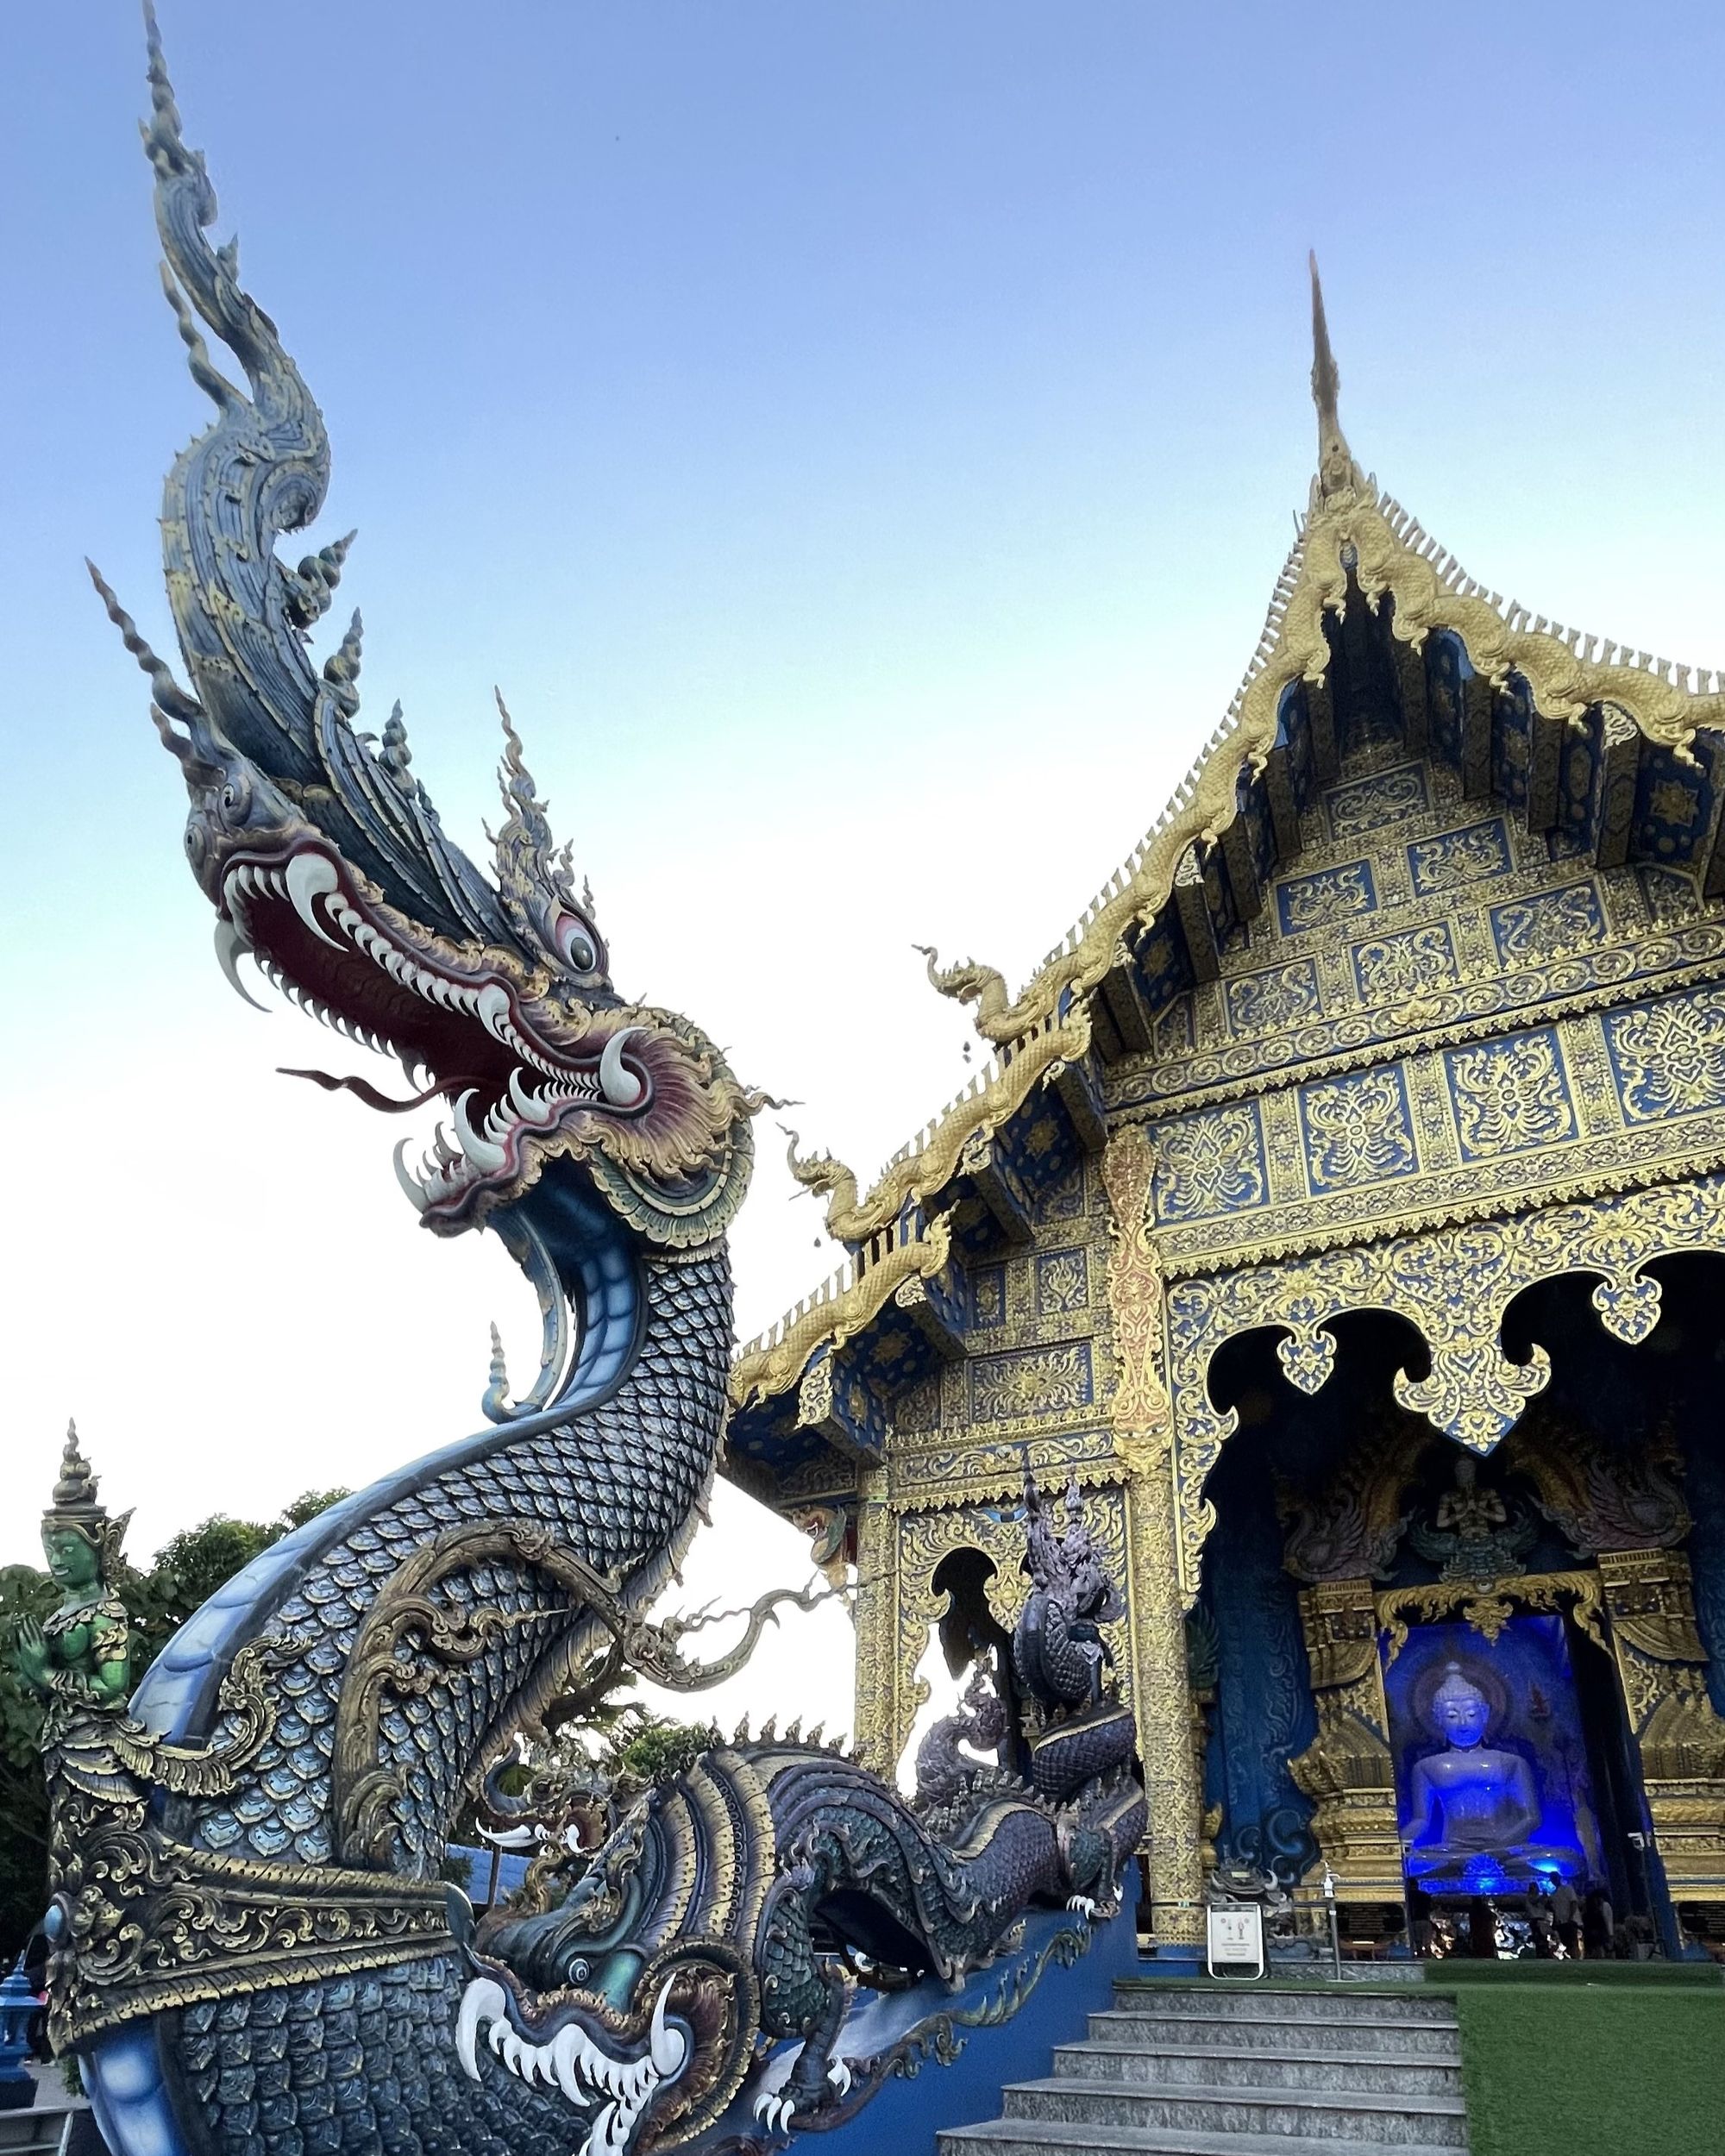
[(322, 854), (630, 2001)]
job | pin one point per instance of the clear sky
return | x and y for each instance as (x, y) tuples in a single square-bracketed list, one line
[(860, 440)]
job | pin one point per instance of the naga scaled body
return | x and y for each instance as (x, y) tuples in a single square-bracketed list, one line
[(254, 1955)]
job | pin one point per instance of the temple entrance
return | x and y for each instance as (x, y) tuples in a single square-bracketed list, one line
[(1480, 1691)]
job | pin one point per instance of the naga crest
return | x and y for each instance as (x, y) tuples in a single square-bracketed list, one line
[(324, 857)]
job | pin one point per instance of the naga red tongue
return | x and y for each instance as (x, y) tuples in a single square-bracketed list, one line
[(368, 1092)]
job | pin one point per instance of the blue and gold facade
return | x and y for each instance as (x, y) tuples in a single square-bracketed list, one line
[(1410, 1010)]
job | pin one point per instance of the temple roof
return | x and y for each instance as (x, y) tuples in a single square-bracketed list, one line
[(1374, 635)]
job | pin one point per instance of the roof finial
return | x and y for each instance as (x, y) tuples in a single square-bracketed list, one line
[(1337, 472)]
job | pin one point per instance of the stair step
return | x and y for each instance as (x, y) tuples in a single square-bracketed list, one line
[(1025, 2137), (1438, 2040), (1355, 2116), (1257, 2066), (1216, 2002)]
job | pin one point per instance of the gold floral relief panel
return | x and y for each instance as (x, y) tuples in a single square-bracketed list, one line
[(1062, 1282), (970, 1465), (1668, 1058), (1411, 962), (1453, 1284), (1510, 1094), (1376, 801), (1410, 912), (1553, 1112), (1031, 1383)]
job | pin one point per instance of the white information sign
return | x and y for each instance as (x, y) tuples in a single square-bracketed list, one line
[(1236, 1940)]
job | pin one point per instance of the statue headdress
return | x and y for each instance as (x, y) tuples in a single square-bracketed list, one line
[(76, 1506)]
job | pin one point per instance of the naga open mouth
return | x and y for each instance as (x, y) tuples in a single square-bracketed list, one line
[(614, 2090), (521, 1072)]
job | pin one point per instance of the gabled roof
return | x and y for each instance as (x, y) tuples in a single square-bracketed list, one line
[(1616, 752)]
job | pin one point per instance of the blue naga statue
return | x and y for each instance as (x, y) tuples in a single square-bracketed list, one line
[(254, 1954)]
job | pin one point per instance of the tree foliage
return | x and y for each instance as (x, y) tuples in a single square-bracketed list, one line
[(187, 1570)]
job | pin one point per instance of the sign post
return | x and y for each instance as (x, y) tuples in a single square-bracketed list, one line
[(1235, 1940)]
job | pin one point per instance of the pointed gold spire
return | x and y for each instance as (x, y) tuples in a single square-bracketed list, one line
[(1337, 472)]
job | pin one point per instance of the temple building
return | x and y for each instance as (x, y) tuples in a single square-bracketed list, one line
[(1343, 1207)]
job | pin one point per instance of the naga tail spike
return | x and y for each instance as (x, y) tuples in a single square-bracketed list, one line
[(174, 700), (311, 586), (341, 668)]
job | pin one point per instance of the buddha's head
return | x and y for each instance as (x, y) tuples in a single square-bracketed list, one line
[(1460, 1710)]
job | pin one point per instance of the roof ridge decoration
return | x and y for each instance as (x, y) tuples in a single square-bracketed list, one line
[(1350, 527), (840, 1308), (927, 1162)]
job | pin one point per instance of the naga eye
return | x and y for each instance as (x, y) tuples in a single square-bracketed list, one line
[(574, 943), (580, 1971)]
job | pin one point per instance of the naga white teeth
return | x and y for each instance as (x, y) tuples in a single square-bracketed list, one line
[(619, 1085), (480, 1151), (529, 1106), (484, 2000), (310, 877), (228, 944), (491, 1009), (417, 1197), (585, 2073), (668, 2047)]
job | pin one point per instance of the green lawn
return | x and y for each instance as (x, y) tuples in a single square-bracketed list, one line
[(1593, 2070)]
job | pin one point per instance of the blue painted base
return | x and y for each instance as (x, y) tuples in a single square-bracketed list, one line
[(999, 2044)]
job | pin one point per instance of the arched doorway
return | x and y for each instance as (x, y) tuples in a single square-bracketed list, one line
[(1478, 1674)]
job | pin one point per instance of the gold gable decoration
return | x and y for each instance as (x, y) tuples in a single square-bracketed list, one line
[(1352, 534)]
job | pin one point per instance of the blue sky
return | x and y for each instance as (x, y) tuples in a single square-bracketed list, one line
[(860, 441)]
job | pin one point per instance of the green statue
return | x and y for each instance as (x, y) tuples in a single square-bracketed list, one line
[(120, 1888), (80, 1660)]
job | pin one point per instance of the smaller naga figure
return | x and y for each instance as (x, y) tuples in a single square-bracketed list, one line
[(1474, 1805), (981, 1721), (80, 1660), (1058, 1650)]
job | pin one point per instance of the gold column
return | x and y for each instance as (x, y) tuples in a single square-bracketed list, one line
[(877, 1612), (1346, 1768), (1144, 1440), (1650, 1600)]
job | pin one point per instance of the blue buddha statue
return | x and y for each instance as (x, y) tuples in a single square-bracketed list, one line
[(1474, 1808)]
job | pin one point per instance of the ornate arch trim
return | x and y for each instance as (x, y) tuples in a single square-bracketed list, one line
[(1454, 1284)]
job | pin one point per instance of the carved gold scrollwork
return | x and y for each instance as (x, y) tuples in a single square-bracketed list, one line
[(1650, 1603), (1141, 1414), (410, 1642), (1454, 1285), (1346, 1768), (1488, 1605), (155, 1924), (877, 1601), (1473, 1391)]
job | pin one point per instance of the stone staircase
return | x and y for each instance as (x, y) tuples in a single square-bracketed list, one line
[(1229, 2070)]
